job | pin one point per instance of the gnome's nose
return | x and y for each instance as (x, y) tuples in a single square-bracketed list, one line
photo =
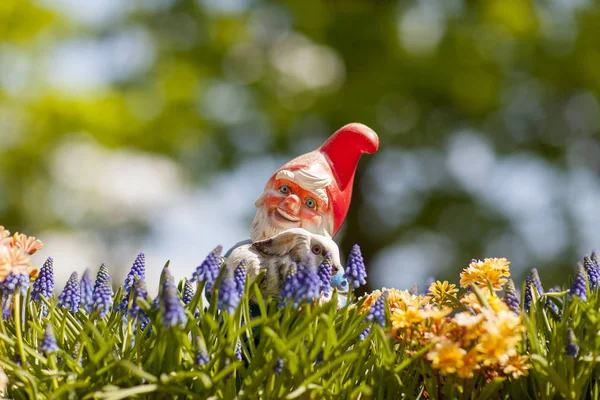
[(292, 203)]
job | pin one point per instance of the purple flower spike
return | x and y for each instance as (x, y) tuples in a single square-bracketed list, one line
[(239, 274), (578, 288), (356, 273), (188, 292), (70, 296), (138, 270), (377, 311), (201, 353), (208, 271), (103, 297), (173, 313), (101, 277), (302, 285), (510, 297), (592, 272), (571, 349), (86, 291), (228, 298), (325, 271), (44, 284), (139, 291), (48, 344)]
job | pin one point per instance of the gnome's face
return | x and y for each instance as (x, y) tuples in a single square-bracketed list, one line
[(285, 205)]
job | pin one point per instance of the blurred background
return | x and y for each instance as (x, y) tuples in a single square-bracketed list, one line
[(153, 125)]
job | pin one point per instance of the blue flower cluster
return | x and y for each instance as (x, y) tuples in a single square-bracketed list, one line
[(44, 284), (579, 285), (302, 285), (510, 297), (325, 271), (48, 344), (137, 271), (208, 271), (188, 292), (229, 297), (70, 298), (173, 313), (356, 273), (239, 274), (86, 288)]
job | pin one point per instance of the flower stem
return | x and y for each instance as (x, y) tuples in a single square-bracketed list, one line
[(17, 315)]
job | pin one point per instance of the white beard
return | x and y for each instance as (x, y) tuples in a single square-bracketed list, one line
[(262, 228)]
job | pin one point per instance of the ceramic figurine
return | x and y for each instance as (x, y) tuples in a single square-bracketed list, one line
[(313, 191), (276, 254)]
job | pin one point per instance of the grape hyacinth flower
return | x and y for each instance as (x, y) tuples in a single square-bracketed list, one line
[(229, 297), (173, 312), (377, 311), (138, 270), (592, 272), (278, 368), (356, 273), (139, 291), (44, 284), (103, 297), (238, 350), (325, 271), (550, 304), (201, 357), (69, 298), (578, 287), (48, 344), (188, 292), (101, 277), (363, 335), (239, 274), (6, 305), (528, 300), (86, 291), (510, 297), (208, 271), (303, 286), (571, 349), (537, 281), (14, 282)]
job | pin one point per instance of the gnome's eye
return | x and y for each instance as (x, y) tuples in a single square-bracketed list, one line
[(316, 249), (310, 202), (285, 189)]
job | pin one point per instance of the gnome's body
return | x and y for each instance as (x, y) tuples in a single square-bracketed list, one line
[(313, 191), (277, 254)]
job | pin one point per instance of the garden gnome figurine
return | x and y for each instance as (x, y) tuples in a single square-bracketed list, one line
[(313, 191)]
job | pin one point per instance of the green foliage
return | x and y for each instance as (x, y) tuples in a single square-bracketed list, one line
[(316, 347)]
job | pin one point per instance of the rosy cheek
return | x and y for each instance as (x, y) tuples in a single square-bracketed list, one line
[(311, 216), (273, 199)]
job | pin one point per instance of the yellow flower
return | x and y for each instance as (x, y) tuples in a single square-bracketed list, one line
[(407, 318), (28, 244), (440, 292), (517, 366), (494, 270), (467, 320), (469, 365), (501, 332), (447, 356)]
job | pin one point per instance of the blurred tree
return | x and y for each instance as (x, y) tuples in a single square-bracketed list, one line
[(488, 112)]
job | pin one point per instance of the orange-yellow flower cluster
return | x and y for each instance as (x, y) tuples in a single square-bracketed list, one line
[(14, 253), (491, 271), (473, 333)]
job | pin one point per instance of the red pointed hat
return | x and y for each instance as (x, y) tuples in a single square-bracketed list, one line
[(338, 157)]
